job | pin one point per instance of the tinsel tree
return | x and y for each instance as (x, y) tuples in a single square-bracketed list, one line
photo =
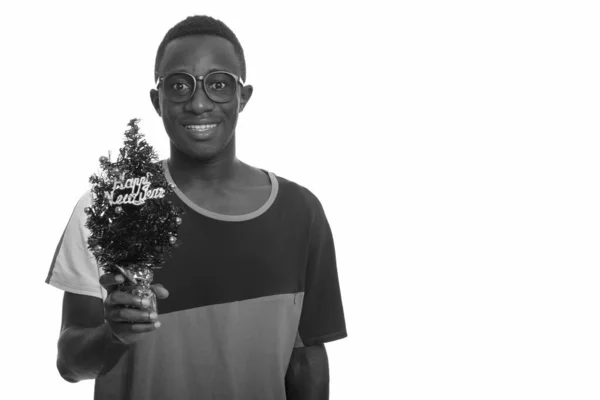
[(132, 223)]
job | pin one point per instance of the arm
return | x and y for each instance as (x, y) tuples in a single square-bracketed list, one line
[(86, 346), (322, 318), (307, 377), (94, 334)]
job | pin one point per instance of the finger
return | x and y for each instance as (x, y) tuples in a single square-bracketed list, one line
[(123, 327), (139, 328), (131, 315), (109, 280), (118, 298), (160, 291)]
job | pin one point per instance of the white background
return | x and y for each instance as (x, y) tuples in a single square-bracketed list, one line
[(454, 146)]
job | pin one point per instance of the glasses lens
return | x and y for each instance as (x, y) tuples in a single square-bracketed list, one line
[(179, 87), (220, 87)]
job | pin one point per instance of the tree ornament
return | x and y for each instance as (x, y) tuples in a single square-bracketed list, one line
[(172, 240), (172, 185), (87, 210), (178, 220), (103, 159), (128, 244)]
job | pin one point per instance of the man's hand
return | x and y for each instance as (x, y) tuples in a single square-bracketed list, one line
[(126, 323)]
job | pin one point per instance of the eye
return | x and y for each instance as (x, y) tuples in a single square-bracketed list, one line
[(180, 87), (219, 85)]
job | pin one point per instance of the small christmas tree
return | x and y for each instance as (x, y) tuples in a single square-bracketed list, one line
[(133, 226)]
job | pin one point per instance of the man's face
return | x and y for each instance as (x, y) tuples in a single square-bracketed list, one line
[(199, 55)]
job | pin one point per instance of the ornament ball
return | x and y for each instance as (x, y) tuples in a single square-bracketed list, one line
[(103, 159), (97, 248), (87, 210), (172, 240), (118, 209), (116, 170), (178, 220)]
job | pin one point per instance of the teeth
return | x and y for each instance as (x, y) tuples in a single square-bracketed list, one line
[(200, 128)]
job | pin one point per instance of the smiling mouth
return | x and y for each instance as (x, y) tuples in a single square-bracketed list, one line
[(200, 128)]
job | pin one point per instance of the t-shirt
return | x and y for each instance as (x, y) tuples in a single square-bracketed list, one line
[(244, 291)]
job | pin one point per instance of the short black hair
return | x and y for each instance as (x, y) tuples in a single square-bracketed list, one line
[(201, 25)]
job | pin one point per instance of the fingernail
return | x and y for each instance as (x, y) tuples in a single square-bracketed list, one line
[(157, 324), (145, 303), (153, 315)]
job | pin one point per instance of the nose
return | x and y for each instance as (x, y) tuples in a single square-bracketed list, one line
[(200, 102)]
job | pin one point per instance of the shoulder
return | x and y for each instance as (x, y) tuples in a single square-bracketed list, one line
[(296, 195), (85, 200)]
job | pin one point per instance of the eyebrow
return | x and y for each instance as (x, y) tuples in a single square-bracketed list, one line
[(214, 69)]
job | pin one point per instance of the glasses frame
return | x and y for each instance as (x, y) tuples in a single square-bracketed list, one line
[(196, 79)]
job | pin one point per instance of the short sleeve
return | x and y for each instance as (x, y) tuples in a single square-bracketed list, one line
[(74, 268), (322, 317)]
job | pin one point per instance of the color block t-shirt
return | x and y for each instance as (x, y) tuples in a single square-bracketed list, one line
[(244, 291)]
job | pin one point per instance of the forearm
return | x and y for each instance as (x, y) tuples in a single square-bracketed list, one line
[(307, 377), (86, 353)]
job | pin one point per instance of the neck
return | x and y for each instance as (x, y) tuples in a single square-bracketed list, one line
[(187, 170)]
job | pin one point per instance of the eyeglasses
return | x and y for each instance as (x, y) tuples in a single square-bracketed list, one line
[(219, 86)]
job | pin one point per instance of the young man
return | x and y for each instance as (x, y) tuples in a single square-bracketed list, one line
[(248, 300)]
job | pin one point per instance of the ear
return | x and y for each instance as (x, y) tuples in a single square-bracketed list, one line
[(155, 100), (245, 96)]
